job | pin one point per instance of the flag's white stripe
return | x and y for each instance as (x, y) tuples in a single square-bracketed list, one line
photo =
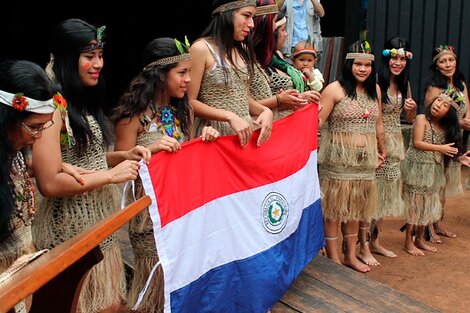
[(207, 231)]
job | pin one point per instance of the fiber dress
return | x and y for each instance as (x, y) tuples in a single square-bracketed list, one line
[(423, 177), (389, 182), (141, 230), (348, 159), (60, 218)]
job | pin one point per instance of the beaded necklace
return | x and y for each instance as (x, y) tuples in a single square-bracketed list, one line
[(25, 200), (165, 121)]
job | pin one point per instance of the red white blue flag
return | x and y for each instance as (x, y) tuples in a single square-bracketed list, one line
[(235, 226)]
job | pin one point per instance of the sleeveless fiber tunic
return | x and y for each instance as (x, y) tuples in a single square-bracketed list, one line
[(230, 95), (423, 177), (60, 218), (142, 238), (389, 182), (453, 171), (348, 159)]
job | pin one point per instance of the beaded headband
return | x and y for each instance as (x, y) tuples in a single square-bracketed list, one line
[(358, 55), (400, 52), (21, 103), (442, 50), (183, 56), (266, 9), (99, 40), (233, 5), (170, 60)]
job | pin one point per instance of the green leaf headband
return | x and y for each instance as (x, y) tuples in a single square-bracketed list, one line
[(99, 38), (183, 56)]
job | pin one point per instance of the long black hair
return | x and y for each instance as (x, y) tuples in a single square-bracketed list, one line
[(220, 30), (384, 70), (151, 81), (16, 77), (450, 124), (69, 38), (347, 79), (441, 81)]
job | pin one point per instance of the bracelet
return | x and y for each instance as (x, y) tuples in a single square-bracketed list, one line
[(278, 99)]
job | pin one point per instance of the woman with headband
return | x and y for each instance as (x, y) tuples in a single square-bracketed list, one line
[(446, 73), (351, 150), (221, 71), (396, 99), (67, 208)]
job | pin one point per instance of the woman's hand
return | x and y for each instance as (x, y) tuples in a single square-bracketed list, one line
[(76, 172), (290, 99), (165, 143), (139, 153), (465, 123), (265, 120), (124, 171), (465, 159), (410, 104), (448, 149), (241, 127), (311, 96), (209, 133)]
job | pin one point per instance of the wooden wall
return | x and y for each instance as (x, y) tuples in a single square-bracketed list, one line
[(426, 24)]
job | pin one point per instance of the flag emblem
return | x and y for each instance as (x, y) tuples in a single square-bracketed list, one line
[(275, 211)]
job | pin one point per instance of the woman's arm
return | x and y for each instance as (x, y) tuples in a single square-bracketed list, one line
[(265, 119), (332, 94), (379, 126), (53, 182), (419, 128), (201, 61)]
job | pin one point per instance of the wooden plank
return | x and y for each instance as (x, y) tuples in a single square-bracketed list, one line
[(369, 292), (45, 268), (308, 294)]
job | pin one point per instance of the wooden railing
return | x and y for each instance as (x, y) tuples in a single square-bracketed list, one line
[(55, 277)]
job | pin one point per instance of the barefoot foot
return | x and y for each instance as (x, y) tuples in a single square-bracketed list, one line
[(421, 244), (356, 265), (378, 249), (446, 233)]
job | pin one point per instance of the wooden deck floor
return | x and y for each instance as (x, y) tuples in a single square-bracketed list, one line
[(324, 286)]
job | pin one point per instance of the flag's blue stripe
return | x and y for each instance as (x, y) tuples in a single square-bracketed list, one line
[(255, 284)]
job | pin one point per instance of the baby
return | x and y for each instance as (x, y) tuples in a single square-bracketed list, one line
[(303, 59)]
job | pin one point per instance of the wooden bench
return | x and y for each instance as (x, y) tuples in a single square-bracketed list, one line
[(324, 286), (55, 278)]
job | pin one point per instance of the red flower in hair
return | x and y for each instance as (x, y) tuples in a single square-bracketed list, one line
[(59, 101), (19, 102)]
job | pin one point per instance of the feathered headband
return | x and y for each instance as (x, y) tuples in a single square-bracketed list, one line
[(397, 52), (362, 51), (442, 50), (452, 96)]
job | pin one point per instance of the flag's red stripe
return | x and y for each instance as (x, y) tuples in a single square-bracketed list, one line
[(223, 167)]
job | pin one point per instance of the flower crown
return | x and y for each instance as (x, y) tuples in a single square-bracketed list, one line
[(361, 51), (452, 96), (442, 50), (183, 49), (397, 52)]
